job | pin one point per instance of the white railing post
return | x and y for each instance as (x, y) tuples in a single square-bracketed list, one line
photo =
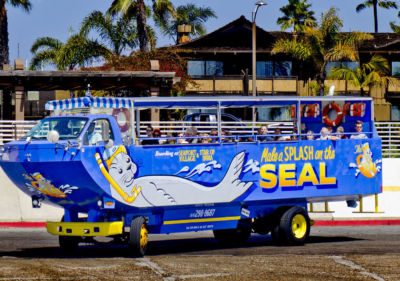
[(390, 140)]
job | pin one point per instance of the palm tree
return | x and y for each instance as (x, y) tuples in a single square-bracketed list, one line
[(374, 3), (373, 73), (161, 10), (323, 44), (4, 51), (395, 28), (120, 35), (187, 15), (296, 14), (77, 51)]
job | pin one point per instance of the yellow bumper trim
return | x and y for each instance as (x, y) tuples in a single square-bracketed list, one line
[(203, 220), (85, 228)]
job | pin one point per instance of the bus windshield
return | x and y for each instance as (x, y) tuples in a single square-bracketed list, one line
[(68, 128)]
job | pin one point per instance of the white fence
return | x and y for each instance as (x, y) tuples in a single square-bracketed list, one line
[(388, 131), (11, 129), (390, 135)]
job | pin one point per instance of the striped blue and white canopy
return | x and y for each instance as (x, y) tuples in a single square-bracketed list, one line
[(89, 102), (191, 102)]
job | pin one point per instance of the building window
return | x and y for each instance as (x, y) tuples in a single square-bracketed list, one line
[(196, 67), (209, 67), (395, 68), (395, 113), (274, 68), (350, 64)]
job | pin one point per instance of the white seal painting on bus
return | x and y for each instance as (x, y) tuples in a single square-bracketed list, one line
[(165, 190), (365, 164)]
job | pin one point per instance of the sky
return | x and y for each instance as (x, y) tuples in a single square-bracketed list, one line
[(54, 18)]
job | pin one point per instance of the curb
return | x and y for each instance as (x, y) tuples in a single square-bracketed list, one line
[(316, 223), (22, 224), (356, 223)]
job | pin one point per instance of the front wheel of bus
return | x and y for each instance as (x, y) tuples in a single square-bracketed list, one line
[(294, 227), (138, 237), (69, 244)]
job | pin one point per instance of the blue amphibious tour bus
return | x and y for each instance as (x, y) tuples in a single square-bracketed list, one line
[(89, 158)]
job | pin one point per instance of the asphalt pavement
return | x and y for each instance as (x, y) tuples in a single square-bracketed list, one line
[(331, 253)]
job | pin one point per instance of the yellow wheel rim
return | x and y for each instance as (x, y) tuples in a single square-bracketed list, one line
[(143, 236), (299, 226)]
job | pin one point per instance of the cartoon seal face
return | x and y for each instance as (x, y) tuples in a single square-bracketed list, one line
[(122, 169)]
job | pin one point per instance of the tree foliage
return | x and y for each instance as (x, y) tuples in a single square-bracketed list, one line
[(26, 6), (188, 14), (375, 3), (119, 34), (160, 10), (323, 43), (77, 51), (372, 73), (170, 61), (296, 14)]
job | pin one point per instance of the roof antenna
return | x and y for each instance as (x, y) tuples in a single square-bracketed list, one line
[(88, 92)]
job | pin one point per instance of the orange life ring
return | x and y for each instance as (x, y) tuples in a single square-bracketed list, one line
[(339, 117), (293, 110), (123, 118)]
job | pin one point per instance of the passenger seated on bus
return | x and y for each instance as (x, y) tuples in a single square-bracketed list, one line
[(262, 134), (62, 127), (225, 133), (93, 137), (311, 137), (189, 133), (214, 133), (324, 136), (205, 138), (294, 136), (194, 134), (278, 138), (339, 136), (169, 139), (359, 126), (149, 133), (180, 135)]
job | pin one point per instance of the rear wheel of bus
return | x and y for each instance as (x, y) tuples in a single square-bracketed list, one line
[(235, 236), (138, 237), (293, 227)]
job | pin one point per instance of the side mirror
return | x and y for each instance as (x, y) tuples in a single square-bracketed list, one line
[(109, 144), (105, 131), (53, 136)]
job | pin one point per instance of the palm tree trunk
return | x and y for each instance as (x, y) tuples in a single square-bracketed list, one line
[(4, 52), (142, 27), (376, 15)]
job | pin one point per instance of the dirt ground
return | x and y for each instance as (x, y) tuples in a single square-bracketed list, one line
[(332, 253)]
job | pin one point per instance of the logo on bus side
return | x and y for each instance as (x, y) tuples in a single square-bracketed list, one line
[(364, 162), (41, 185), (286, 175)]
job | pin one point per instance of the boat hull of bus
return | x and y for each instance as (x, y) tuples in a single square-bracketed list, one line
[(194, 186)]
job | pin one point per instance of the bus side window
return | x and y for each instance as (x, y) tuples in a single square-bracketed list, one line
[(93, 135)]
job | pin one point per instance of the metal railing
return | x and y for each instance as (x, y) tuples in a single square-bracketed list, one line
[(11, 130), (235, 128), (389, 132)]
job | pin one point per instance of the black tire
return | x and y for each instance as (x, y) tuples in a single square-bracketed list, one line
[(276, 219), (138, 237), (294, 227), (69, 244), (235, 236)]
